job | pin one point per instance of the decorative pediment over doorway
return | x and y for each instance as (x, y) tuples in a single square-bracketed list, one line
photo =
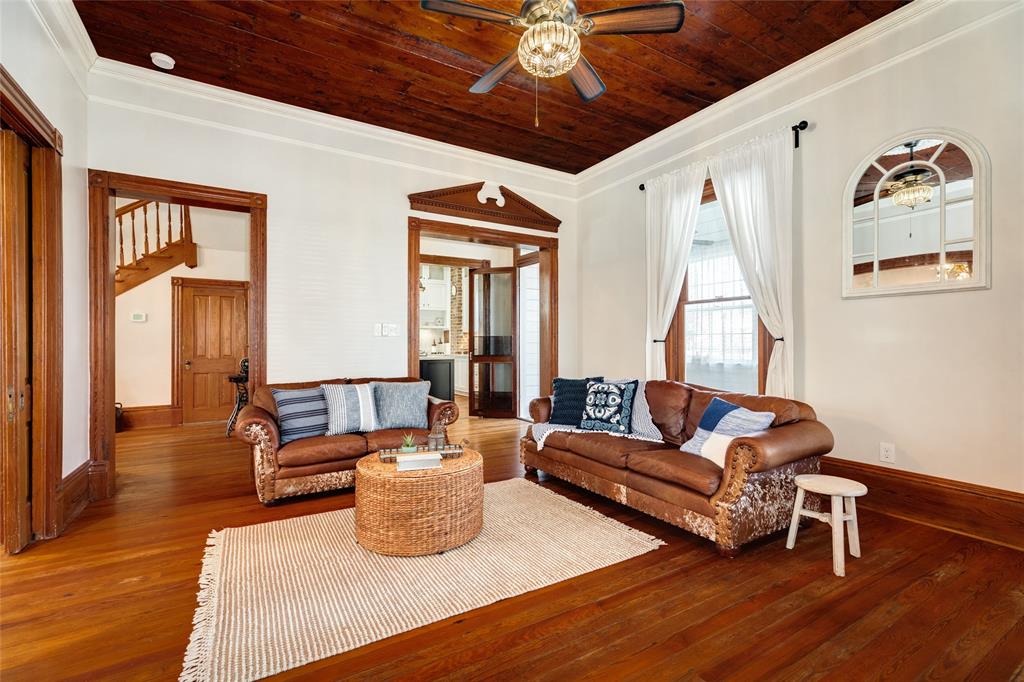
[(462, 201)]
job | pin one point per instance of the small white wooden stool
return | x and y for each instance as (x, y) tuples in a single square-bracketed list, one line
[(840, 490)]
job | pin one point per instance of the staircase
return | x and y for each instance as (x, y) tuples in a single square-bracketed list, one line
[(167, 249)]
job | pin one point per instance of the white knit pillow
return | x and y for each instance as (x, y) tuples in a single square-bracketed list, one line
[(350, 408)]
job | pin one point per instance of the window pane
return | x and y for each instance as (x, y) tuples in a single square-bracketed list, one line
[(721, 336), (713, 271), (721, 345)]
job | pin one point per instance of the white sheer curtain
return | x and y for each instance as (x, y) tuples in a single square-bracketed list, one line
[(754, 183), (673, 201)]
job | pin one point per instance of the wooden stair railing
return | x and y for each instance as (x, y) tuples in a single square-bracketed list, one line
[(166, 250)]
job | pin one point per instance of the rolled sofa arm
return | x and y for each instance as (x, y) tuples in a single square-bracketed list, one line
[(784, 444), (540, 409), (250, 415), (444, 411)]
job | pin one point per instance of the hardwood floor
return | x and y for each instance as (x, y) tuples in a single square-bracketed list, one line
[(114, 597)]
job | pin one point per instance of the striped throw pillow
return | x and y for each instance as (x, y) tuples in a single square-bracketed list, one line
[(301, 413), (721, 422), (350, 408)]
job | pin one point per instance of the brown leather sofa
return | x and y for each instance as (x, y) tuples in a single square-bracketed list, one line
[(312, 465), (752, 497)]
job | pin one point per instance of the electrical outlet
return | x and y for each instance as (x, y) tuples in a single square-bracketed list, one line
[(887, 452)]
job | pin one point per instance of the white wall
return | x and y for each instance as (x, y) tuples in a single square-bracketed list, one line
[(337, 207), (500, 256), (143, 360), (941, 375), (30, 52)]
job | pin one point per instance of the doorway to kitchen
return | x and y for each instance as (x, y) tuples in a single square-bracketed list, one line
[(482, 314)]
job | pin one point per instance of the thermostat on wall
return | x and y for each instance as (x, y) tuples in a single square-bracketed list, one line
[(138, 317)]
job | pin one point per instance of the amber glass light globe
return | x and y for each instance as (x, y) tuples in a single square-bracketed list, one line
[(549, 49)]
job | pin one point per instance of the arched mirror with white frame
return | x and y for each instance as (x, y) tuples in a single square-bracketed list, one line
[(915, 217)]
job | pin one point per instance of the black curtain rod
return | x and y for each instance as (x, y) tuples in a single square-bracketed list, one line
[(802, 125)]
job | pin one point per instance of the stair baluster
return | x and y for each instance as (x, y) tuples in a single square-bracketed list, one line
[(135, 255), (170, 235), (158, 226), (187, 235), (120, 239), (145, 229)]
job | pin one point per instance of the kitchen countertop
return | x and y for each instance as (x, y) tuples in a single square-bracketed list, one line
[(441, 356)]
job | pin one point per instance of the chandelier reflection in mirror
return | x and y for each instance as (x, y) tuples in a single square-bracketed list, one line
[(909, 187), (916, 217)]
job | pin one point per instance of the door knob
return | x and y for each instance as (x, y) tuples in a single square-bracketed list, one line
[(188, 364)]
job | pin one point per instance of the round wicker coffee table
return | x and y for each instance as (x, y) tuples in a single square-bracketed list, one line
[(413, 513)]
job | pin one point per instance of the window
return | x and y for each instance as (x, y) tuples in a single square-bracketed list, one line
[(716, 338)]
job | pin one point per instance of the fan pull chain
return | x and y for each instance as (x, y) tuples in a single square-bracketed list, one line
[(536, 104)]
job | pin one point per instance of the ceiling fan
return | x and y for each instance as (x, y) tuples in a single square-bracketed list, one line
[(550, 46)]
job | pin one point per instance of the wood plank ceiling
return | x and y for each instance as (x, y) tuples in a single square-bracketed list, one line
[(393, 65)]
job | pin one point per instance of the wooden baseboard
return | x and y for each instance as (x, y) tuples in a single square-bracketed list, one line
[(978, 511), (150, 415), (73, 496)]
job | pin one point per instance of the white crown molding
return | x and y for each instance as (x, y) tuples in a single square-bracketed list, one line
[(727, 106), (60, 20), (183, 86)]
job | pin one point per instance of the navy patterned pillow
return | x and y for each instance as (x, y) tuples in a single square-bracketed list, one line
[(568, 399), (401, 405), (609, 407), (301, 413)]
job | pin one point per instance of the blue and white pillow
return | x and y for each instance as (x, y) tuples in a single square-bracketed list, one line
[(401, 405), (721, 422), (609, 407), (350, 408), (643, 426), (301, 413)]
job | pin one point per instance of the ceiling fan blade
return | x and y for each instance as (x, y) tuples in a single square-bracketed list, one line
[(661, 17), (465, 9), (588, 84), (497, 72)]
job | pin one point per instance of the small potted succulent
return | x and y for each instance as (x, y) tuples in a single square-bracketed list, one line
[(408, 443)]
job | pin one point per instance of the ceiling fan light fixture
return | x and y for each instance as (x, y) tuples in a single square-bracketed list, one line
[(549, 49)]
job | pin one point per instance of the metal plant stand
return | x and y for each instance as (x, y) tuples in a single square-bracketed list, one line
[(241, 382)]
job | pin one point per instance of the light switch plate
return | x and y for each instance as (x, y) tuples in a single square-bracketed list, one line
[(377, 329), (390, 329), (138, 317)]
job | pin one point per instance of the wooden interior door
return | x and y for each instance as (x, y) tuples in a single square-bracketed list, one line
[(16, 354), (493, 351), (213, 334)]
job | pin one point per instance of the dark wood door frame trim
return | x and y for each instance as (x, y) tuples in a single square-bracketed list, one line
[(461, 202), (103, 187), (548, 259), (176, 286), (453, 262), (20, 114)]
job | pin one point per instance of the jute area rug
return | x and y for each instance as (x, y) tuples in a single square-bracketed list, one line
[(274, 596)]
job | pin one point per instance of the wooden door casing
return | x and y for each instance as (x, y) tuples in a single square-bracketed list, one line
[(16, 359), (211, 332)]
